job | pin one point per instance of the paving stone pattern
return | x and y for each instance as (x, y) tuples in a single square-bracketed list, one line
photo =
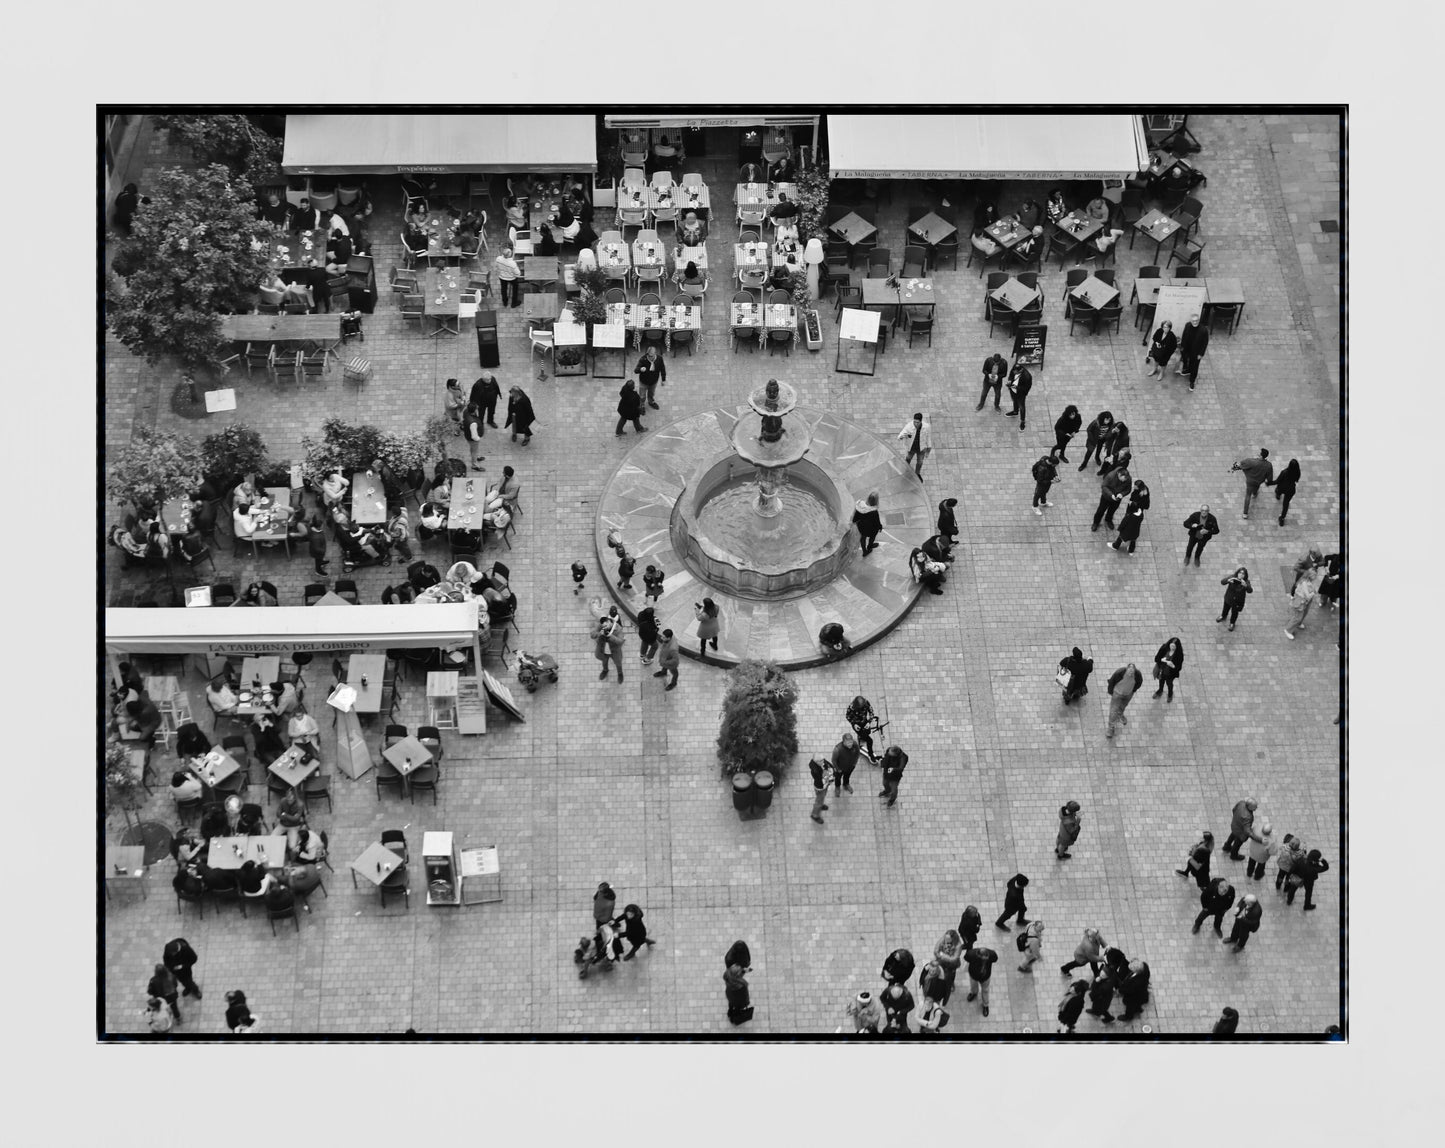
[(620, 783)]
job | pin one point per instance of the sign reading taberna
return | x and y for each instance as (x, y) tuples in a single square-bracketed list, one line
[(257, 649)]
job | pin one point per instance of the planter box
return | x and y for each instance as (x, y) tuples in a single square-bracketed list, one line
[(812, 328), (604, 192)]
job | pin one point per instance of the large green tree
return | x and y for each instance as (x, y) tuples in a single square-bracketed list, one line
[(759, 727), (236, 141), (196, 251)]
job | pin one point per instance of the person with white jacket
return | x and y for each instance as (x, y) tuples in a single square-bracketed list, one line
[(920, 436)]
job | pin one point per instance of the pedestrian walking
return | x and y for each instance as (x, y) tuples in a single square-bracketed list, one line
[(316, 544), (1236, 587), (1031, 944), (845, 760), (633, 930), (652, 579), (607, 639), (995, 367), (1199, 859), (1261, 848), (737, 964), (604, 904), (897, 1003), (157, 1015), (626, 568), (1247, 916), (1193, 342), (179, 958), (669, 657), (1227, 1024), (1312, 560), (454, 402), (980, 961), (629, 409), (897, 967), (165, 986), (1101, 994), (970, 921), (1013, 901), (1020, 382), (1202, 526), (472, 432), (1168, 663), (948, 956), (1066, 426), (1094, 436), (647, 635), (895, 761), (1072, 1006), (865, 724), (947, 520), (1305, 873), (650, 371), (520, 415), (1160, 349), (1285, 483), (866, 1013), (1134, 990), (1074, 674), (1111, 493), (1089, 951), (485, 394), (1241, 818), (1122, 684), (239, 1018), (1133, 516), (1257, 471), (1214, 902), (1046, 473), (1068, 829), (919, 434), (822, 774), (866, 518), (1302, 597), (708, 625), (1291, 853)]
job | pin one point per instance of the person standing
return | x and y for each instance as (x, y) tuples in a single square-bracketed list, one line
[(668, 659), (653, 578), (1305, 873), (947, 521), (633, 930), (647, 635), (1033, 945), (821, 776), (1013, 901), (1202, 526), (1161, 349), (607, 638), (1115, 450), (454, 402), (1066, 426), (1285, 484), (897, 1003), (737, 964), (179, 958), (1134, 990), (1072, 1006), (1101, 994), (650, 371), (629, 408), (1046, 473), (1193, 342), (165, 986), (995, 367), (1068, 830), (1094, 436), (970, 921), (316, 544), (520, 415), (509, 276), (1247, 917), (864, 722), (948, 956), (1261, 848), (158, 1016), (980, 961), (1257, 471), (1236, 586), (1168, 663), (604, 904), (1241, 820), (898, 967), (1227, 1024), (1215, 902), (485, 395), (845, 760), (919, 434), (868, 522), (894, 762), (1116, 484), (1089, 951), (708, 626), (1291, 853), (1199, 858), (866, 1013), (1122, 684), (1133, 516), (1078, 668), (1306, 585), (1020, 382), (933, 982)]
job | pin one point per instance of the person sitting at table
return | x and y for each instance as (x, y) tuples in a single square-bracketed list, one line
[(688, 276), (750, 173), (191, 545), (341, 517), (664, 148), (143, 718), (335, 224), (303, 730), (284, 698), (249, 489), (220, 696), (463, 574), (546, 241), (188, 882), (496, 519), (1106, 239), (785, 170), (254, 880), (255, 595), (279, 896), (305, 217), (291, 815), (1025, 248), (188, 848), (215, 823), (267, 731), (243, 520), (416, 239), (585, 237), (691, 232), (432, 519), (985, 215), (272, 291), (501, 602), (1056, 208), (568, 224), (333, 487), (1031, 214), (310, 849), (191, 742), (515, 210), (785, 208), (273, 209), (296, 291), (338, 252), (185, 786)]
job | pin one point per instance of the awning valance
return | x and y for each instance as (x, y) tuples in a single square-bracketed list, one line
[(986, 147), (387, 145), (691, 120)]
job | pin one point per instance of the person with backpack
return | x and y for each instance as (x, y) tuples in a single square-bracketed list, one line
[(1031, 943), (1215, 901), (1111, 493), (980, 961), (1198, 864), (932, 1016), (1291, 853), (1072, 1006), (738, 962), (1078, 668), (1123, 683), (472, 432), (1247, 917), (1046, 473)]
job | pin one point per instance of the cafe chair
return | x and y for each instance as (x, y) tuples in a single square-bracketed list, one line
[(339, 289), (387, 774), (274, 914), (847, 296), (184, 808), (1189, 252), (1111, 313), (275, 785), (1071, 280), (193, 560), (295, 309), (346, 588), (1028, 279), (251, 821), (946, 248), (1186, 273), (1188, 213), (915, 262), (1107, 275), (313, 593), (880, 259), (1129, 211), (316, 787), (1062, 244), (197, 898), (985, 249), (920, 323), (268, 308), (393, 734), (413, 309), (996, 279), (260, 355), (1224, 312), (1083, 313), (403, 282)]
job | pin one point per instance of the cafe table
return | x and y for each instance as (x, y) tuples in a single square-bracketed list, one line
[(648, 253), (540, 269), (682, 256), (852, 228), (610, 336), (125, 865), (365, 674), (752, 202), (932, 228), (908, 293), (266, 667), (679, 317), (540, 306), (1079, 226), (1008, 232), (1014, 294), (1095, 293), (176, 515), (376, 864), (466, 502), (212, 767), (693, 197), (788, 253), (747, 315), (442, 299), (291, 769), (273, 519), (331, 598), (1157, 227), (233, 852), (633, 196), (323, 329), (614, 257), (408, 755), (368, 499), (1225, 292), (781, 317), (438, 226), (751, 258)]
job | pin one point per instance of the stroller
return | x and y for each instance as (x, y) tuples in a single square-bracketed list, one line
[(531, 668)]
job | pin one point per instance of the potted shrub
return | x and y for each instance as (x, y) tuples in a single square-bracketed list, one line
[(153, 468), (233, 453), (807, 315), (124, 793), (759, 729)]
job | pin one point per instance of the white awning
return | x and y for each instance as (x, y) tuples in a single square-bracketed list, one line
[(387, 145), (687, 120), (284, 629), (986, 147)]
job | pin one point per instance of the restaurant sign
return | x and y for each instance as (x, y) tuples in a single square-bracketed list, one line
[(920, 173), (712, 122), (322, 646), (1030, 344), (405, 167)]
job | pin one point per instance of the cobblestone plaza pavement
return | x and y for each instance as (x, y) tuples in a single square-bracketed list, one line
[(620, 782)]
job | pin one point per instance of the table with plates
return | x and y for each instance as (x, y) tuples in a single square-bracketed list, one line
[(365, 673), (233, 852), (746, 315), (752, 194), (125, 865), (613, 257), (1014, 294), (264, 668), (788, 253), (693, 197), (1008, 233), (1094, 292), (1157, 227), (877, 294), (666, 198), (780, 317), (368, 499), (273, 518), (441, 230), (932, 228), (674, 317), (294, 252), (852, 228), (1079, 226), (751, 257), (291, 769), (466, 503), (176, 515), (751, 199), (442, 299), (633, 197), (682, 256), (648, 253)]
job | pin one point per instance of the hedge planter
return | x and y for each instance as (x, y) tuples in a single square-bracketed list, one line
[(812, 330)]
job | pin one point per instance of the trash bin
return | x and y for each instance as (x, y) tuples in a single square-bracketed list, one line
[(488, 352), (762, 789), (742, 791)]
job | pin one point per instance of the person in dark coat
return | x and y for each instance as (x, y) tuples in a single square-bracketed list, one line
[(1066, 426), (1202, 526), (647, 634), (1227, 1024), (1101, 995), (1236, 586), (1134, 989), (1045, 473), (995, 367), (947, 522), (520, 415), (1115, 451), (1161, 349), (1168, 663), (821, 775), (1079, 668), (898, 968), (1246, 920), (864, 721), (1285, 483), (895, 760), (1020, 382), (1111, 493), (1122, 685), (897, 1003), (634, 932), (629, 409), (1257, 471), (650, 371), (1199, 859), (1069, 824), (1193, 342), (737, 963), (969, 923), (1241, 820), (980, 961), (1133, 516), (1306, 872), (164, 986), (938, 548), (1094, 436), (845, 759), (1013, 901), (1072, 1005), (484, 396), (868, 522), (1215, 901), (125, 204), (604, 904)]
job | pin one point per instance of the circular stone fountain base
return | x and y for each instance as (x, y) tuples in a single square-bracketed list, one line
[(868, 595)]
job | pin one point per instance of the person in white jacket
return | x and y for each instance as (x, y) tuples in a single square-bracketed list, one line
[(920, 445)]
